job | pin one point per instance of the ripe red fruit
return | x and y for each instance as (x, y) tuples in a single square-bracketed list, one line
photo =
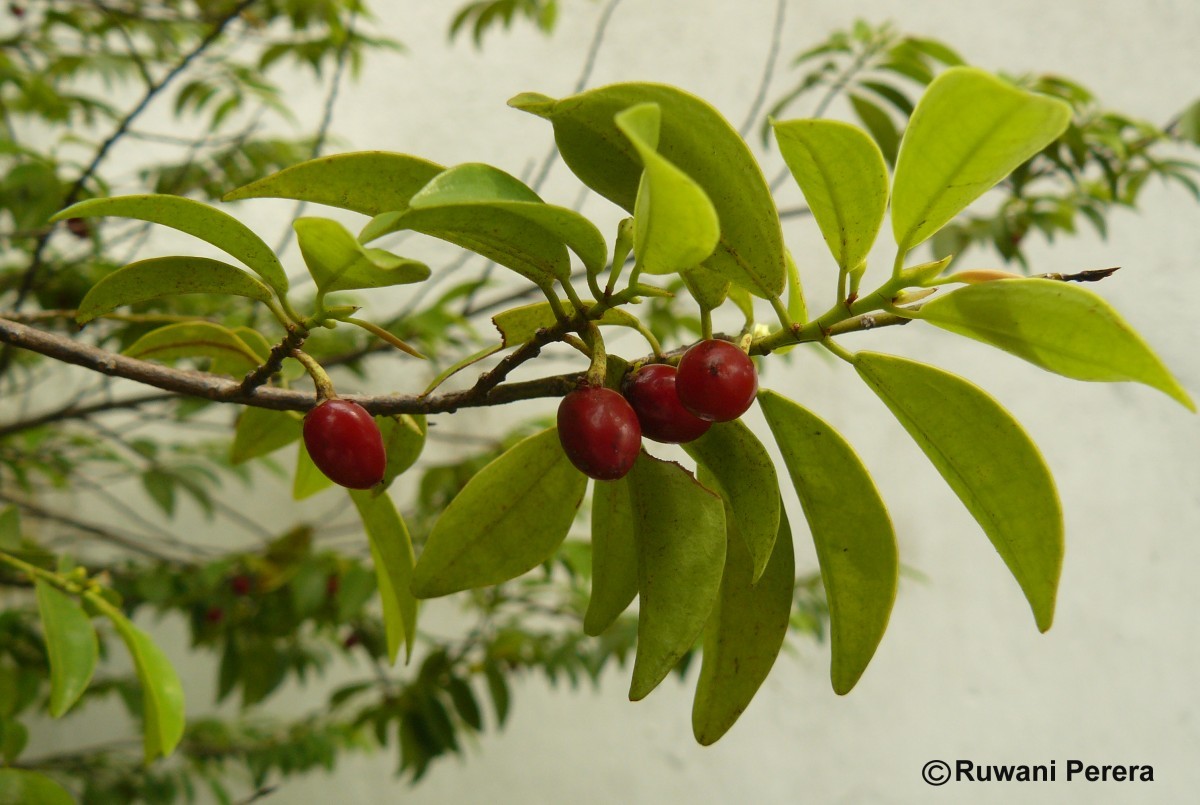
[(599, 432), (716, 381), (241, 584), (214, 615), (345, 444), (652, 393)]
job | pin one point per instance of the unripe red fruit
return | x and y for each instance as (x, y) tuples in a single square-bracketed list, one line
[(345, 444), (652, 393), (716, 381), (599, 432)]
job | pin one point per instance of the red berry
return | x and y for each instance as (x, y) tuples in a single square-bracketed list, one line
[(214, 615), (333, 583), (716, 381), (241, 584), (345, 444), (652, 393), (599, 432)]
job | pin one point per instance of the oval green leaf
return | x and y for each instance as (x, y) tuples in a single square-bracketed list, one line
[(403, 441), (507, 520), (969, 131), (196, 339), (261, 431), (674, 223), (614, 555), (338, 262), (392, 553), (744, 633), (308, 480), (844, 180), (680, 529), (519, 324), (697, 140), (989, 462), (851, 530), (70, 645), (368, 182), (1055, 325), (21, 787), (195, 218), (746, 474), (167, 276)]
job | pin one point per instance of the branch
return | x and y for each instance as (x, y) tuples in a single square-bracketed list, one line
[(74, 411), (104, 534)]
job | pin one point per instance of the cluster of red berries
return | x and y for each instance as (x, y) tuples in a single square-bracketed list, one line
[(601, 431), (345, 443)]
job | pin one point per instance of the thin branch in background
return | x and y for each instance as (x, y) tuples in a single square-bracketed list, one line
[(760, 97), (129, 542)]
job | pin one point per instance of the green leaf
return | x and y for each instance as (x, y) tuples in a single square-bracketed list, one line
[(162, 695), (614, 555), (519, 324), (14, 737), (160, 486), (21, 787), (969, 131), (70, 645), (844, 179), (464, 702), (697, 140), (507, 520), (167, 276), (744, 633), (675, 225), (880, 124), (338, 262), (498, 687), (10, 529), (207, 223), (261, 431), (709, 289), (308, 480), (196, 339), (392, 552), (743, 468), (680, 529), (851, 530), (1055, 325), (368, 182), (403, 441), (989, 462)]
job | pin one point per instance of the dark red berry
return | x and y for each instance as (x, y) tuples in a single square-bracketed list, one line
[(599, 432), (716, 381), (345, 444), (79, 227), (241, 584), (652, 393), (214, 615), (333, 583)]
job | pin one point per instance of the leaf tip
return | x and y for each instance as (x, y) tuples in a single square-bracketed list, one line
[(533, 102)]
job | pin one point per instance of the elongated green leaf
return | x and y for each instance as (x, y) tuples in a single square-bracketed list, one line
[(308, 480), (1055, 325), (369, 182), (743, 468), (207, 223), (70, 645), (10, 529), (21, 787), (338, 262), (403, 440), (507, 520), (697, 140), (519, 324), (392, 553), (969, 131), (680, 529), (167, 276), (851, 530), (675, 225), (880, 124), (744, 633), (196, 339), (614, 555), (162, 695), (989, 462), (844, 179), (261, 431)]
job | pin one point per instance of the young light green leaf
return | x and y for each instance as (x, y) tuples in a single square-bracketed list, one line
[(851, 530), (674, 223), (1055, 325), (308, 480), (70, 645), (261, 431), (403, 441), (162, 694), (392, 553), (519, 324), (844, 179), (744, 633), (969, 131), (338, 262), (21, 787), (368, 182), (614, 555), (195, 218), (196, 339), (708, 288), (507, 520), (697, 140), (167, 276), (743, 468), (989, 462), (680, 529)]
